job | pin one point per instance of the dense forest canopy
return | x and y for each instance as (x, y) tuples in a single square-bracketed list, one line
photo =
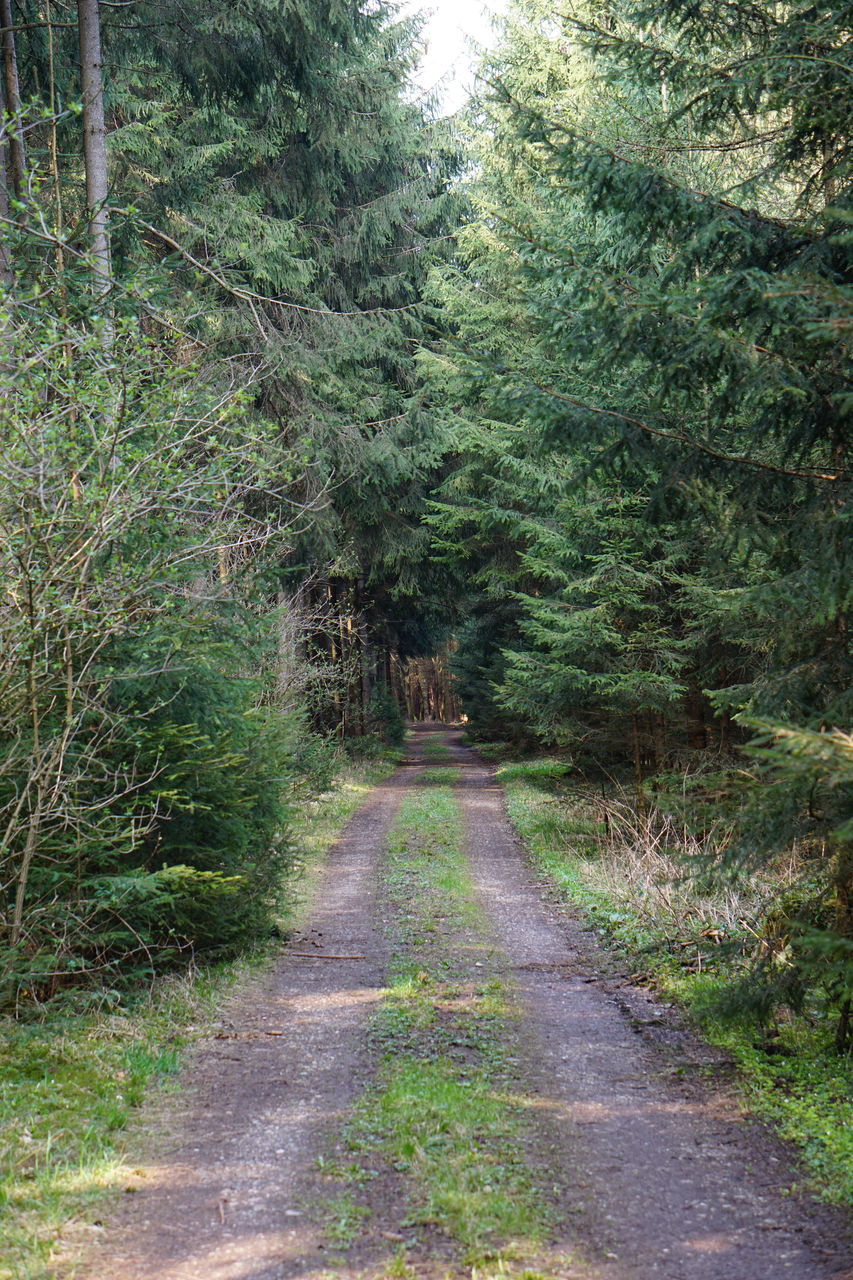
[(311, 398)]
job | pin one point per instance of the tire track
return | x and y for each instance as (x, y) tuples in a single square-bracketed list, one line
[(669, 1186), (218, 1195)]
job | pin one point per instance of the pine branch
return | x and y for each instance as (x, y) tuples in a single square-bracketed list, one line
[(249, 295), (679, 438)]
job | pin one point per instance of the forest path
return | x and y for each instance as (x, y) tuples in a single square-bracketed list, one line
[(652, 1178)]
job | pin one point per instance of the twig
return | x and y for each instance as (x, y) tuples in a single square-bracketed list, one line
[(320, 955), (680, 438), (249, 295)]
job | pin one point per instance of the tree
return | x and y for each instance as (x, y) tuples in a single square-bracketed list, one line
[(111, 520), (654, 461), (94, 137), (229, 449), (303, 194), (11, 99)]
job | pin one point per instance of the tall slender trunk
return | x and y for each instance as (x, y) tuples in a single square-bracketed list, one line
[(694, 713), (829, 182), (6, 275), (17, 153), (367, 657), (638, 764), (659, 730), (23, 879), (53, 151), (843, 877), (94, 140)]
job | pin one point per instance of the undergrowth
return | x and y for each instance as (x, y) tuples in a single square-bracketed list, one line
[(689, 939)]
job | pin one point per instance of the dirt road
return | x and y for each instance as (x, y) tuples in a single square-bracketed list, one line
[(659, 1181)]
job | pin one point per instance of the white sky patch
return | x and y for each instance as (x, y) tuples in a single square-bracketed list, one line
[(453, 30)]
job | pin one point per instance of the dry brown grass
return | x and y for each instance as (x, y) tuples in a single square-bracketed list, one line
[(655, 864)]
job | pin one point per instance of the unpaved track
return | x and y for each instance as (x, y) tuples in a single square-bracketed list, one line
[(221, 1199), (656, 1181), (668, 1183)]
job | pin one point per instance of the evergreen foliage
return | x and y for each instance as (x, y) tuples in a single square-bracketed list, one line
[(649, 370), (317, 414), (222, 427)]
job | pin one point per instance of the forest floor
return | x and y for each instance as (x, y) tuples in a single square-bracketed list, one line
[(443, 1075)]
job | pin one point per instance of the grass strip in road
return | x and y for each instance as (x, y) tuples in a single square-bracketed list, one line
[(802, 1087), (435, 751), (71, 1078), (441, 1113)]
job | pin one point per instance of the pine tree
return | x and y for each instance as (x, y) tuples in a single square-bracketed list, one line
[(318, 214)]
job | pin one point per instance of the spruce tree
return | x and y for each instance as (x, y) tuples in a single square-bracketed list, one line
[(667, 196)]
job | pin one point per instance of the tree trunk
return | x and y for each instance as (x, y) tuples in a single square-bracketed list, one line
[(367, 658), (659, 727), (94, 140), (697, 738), (6, 276), (53, 153), (829, 184), (17, 154), (638, 764), (843, 877), (725, 730)]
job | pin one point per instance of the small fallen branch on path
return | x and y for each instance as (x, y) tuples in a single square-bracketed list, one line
[(319, 955)]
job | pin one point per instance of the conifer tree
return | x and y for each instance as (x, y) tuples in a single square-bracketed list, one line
[(318, 215), (667, 195)]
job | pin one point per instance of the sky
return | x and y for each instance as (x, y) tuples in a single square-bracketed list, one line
[(452, 27)]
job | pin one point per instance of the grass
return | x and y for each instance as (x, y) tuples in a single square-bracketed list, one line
[(71, 1079), (456, 1139), (343, 1216), (442, 1115), (435, 750), (632, 888), (70, 1085)]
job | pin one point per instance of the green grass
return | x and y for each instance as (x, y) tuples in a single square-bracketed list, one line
[(70, 1084), (497, 751), (457, 1139), (442, 1114), (446, 775), (71, 1080), (435, 750), (804, 1090), (802, 1087), (343, 1217), (425, 875)]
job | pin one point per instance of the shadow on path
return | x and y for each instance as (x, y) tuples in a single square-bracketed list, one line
[(661, 1183), (217, 1196)]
